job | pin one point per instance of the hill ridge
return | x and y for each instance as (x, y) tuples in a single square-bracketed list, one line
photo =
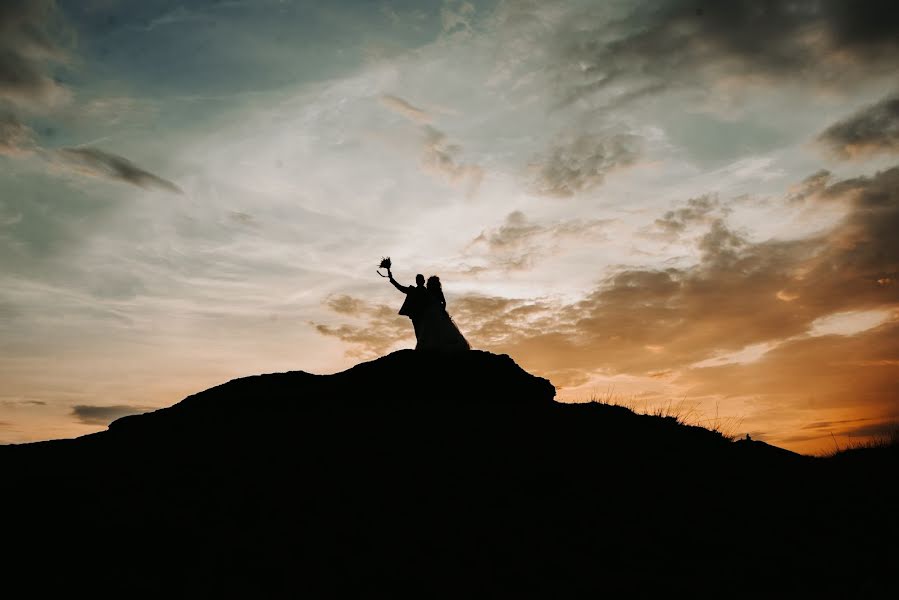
[(377, 480)]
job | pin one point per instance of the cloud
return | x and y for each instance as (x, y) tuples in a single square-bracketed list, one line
[(403, 108), (104, 415), (23, 403), (516, 243), (27, 49), (489, 320), (438, 154), (115, 110), (697, 211), (515, 231), (105, 165), (346, 305), (810, 186), (720, 247), (411, 19), (178, 15), (456, 15), (872, 130), (242, 218), (826, 424), (16, 138), (583, 163), (684, 44), (884, 429), (382, 329)]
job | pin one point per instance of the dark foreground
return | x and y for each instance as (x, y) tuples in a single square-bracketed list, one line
[(438, 475)]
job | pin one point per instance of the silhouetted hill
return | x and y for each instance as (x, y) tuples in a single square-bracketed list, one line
[(437, 474), (402, 381)]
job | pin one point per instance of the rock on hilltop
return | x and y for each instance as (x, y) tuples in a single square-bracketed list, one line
[(405, 380)]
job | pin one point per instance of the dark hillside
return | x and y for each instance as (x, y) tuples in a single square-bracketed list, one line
[(435, 474)]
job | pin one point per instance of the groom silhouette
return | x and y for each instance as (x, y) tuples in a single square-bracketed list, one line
[(416, 303)]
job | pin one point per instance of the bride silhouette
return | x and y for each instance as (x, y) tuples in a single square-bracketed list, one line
[(438, 330)]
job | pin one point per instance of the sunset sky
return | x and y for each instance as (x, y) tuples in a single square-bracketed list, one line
[(676, 203)]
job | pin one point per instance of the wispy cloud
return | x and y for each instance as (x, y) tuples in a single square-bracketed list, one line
[(811, 186), (402, 107), (381, 328), (697, 211), (882, 429), (438, 155), (27, 52), (27, 49), (346, 305), (518, 242), (104, 415), (23, 403), (16, 138), (98, 163), (873, 129), (583, 163), (456, 16)]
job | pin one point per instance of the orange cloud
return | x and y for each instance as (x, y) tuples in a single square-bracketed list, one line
[(381, 330)]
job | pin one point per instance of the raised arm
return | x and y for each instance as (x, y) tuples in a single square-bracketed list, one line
[(401, 288)]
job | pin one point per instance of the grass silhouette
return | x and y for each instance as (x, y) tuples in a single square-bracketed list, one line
[(683, 412), (885, 442)]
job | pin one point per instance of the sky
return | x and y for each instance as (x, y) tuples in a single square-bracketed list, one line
[(682, 206)]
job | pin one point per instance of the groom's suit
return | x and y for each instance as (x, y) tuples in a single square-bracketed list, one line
[(414, 306), (416, 301)]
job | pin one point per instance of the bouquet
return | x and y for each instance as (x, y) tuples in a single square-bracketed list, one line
[(385, 264)]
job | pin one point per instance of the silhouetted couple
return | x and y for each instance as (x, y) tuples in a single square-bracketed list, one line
[(426, 306)]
